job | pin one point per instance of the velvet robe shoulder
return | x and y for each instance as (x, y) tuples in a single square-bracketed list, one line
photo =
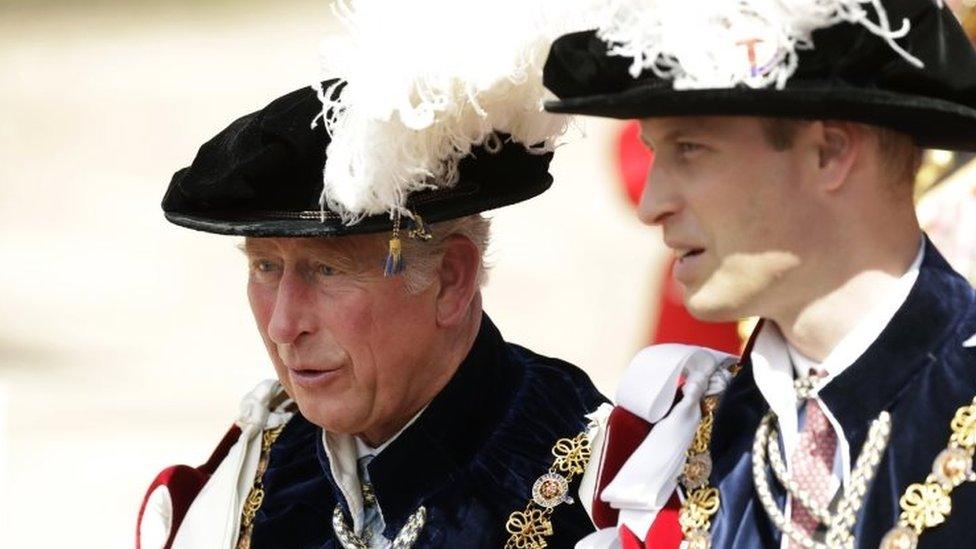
[(918, 369), (470, 458)]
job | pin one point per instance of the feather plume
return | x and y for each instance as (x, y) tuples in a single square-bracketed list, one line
[(727, 43), (425, 82)]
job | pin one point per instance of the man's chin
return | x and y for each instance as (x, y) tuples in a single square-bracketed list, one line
[(330, 418), (713, 308)]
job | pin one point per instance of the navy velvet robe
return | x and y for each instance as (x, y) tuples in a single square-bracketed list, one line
[(470, 458), (918, 370)]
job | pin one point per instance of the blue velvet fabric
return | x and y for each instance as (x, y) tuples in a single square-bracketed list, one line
[(918, 370), (471, 457)]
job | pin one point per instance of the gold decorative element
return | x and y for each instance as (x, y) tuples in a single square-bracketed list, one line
[(419, 230), (964, 427), (901, 537), (394, 258), (703, 434), (530, 528), (952, 467), (925, 505), (572, 455), (698, 540), (696, 471), (703, 501), (256, 496), (550, 490), (699, 507), (928, 504)]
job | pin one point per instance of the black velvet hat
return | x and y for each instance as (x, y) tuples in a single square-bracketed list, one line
[(919, 79), (262, 176)]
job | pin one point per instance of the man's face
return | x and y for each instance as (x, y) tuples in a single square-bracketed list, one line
[(351, 347), (737, 213)]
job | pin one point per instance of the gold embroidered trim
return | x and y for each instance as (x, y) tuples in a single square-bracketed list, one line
[(256, 496), (529, 528)]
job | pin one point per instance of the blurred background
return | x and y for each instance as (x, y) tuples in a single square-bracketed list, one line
[(126, 343)]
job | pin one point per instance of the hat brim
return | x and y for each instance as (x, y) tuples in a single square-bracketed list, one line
[(934, 123), (466, 198)]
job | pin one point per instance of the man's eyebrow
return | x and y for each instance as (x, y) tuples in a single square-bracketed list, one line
[(670, 137), (249, 247)]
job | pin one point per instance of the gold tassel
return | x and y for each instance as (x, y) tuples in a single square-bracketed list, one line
[(394, 258)]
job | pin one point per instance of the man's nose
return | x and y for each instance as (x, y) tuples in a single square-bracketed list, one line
[(293, 309), (659, 200)]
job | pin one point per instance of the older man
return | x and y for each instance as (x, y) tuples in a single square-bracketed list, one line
[(400, 416), (786, 140)]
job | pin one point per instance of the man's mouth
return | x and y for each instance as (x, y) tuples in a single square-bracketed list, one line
[(685, 254), (311, 376)]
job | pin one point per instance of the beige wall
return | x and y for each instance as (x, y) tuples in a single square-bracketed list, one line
[(125, 343)]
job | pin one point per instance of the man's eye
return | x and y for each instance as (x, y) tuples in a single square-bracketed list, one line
[(689, 148), (264, 267), (326, 270)]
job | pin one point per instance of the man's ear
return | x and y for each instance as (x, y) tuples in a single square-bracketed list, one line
[(458, 277), (838, 144)]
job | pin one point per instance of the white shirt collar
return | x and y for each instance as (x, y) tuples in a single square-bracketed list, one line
[(364, 449), (775, 363), (865, 332), (772, 349), (344, 452)]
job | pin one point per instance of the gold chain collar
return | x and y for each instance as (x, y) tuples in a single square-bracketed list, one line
[(702, 501), (927, 504), (924, 505), (529, 528), (256, 496)]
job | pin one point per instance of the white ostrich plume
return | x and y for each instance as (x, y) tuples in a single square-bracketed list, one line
[(425, 81), (727, 43)]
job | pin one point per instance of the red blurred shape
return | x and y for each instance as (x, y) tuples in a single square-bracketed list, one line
[(634, 161)]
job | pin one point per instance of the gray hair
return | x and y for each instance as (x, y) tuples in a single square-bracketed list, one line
[(423, 257)]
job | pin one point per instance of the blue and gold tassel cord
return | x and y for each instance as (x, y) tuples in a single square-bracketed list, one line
[(394, 258)]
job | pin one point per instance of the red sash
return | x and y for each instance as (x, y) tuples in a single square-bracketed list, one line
[(625, 432), (184, 483)]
